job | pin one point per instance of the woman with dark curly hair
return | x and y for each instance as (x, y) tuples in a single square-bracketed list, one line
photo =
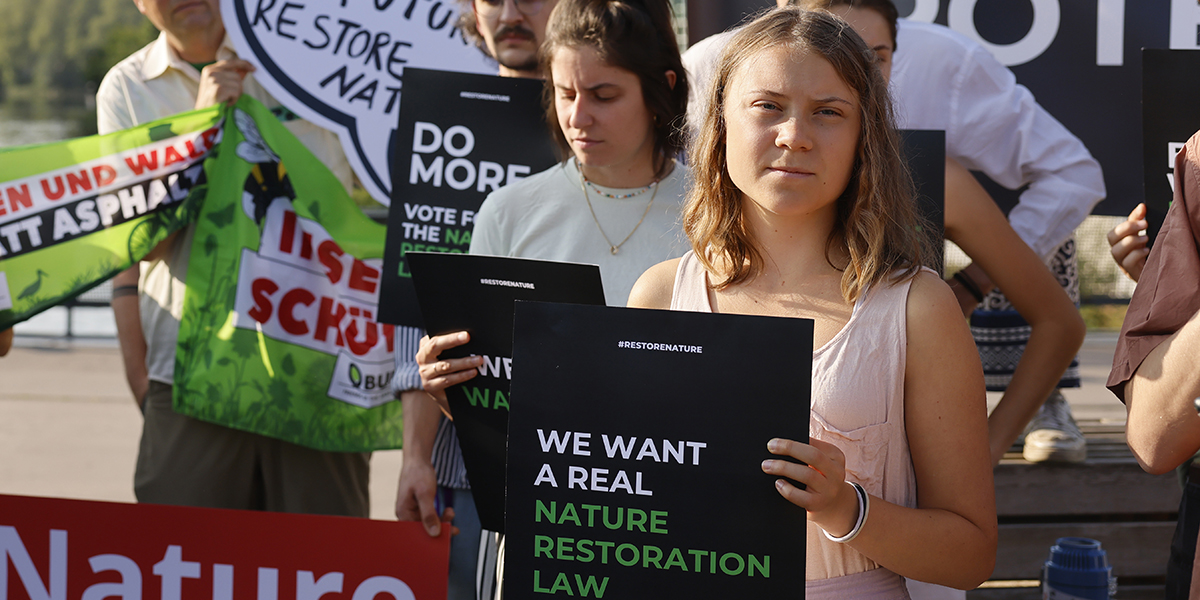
[(616, 93)]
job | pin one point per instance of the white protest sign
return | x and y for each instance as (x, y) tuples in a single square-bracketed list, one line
[(340, 64)]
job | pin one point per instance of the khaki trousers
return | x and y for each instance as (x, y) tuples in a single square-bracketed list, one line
[(188, 462)]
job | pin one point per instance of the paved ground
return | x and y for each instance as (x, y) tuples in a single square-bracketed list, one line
[(69, 428), (1093, 401)]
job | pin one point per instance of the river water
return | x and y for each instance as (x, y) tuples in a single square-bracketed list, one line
[(20, 128), (16, 131)]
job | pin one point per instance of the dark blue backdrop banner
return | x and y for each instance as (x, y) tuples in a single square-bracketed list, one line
[(1081, 59)]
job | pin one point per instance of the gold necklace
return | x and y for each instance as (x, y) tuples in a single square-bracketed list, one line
[(613, 248)]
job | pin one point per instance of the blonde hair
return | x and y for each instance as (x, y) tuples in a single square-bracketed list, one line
[(877, 220)]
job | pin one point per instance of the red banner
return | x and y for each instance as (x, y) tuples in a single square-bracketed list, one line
[(53, 549)]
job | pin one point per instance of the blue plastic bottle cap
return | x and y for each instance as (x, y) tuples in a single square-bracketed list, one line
[(1078, 568)]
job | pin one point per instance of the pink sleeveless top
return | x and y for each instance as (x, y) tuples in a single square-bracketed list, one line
[(858, 405)]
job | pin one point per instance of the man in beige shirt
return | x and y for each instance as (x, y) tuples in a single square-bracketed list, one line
[(182, 460)]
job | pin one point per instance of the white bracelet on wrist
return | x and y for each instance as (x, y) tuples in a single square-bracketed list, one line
[(864, 506)]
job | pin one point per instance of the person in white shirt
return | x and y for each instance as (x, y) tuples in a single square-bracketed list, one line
[(942, 80), (183, 460)]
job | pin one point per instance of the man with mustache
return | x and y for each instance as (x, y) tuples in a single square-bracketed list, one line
[(181, 460), (509, 31), (433, 475)]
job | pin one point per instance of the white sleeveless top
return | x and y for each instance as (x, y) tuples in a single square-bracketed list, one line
[(857, 404)]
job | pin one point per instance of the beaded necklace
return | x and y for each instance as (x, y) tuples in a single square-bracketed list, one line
[(584, 183), (596, 188)]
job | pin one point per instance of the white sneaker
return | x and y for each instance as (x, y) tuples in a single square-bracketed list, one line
[(1053, 436)]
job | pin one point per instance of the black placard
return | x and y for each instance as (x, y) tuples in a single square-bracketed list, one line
[(460, 292), (489, 132), (708, 391), (925, 152), (1169, 117)]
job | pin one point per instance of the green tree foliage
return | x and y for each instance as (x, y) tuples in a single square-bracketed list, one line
[(55, 50)]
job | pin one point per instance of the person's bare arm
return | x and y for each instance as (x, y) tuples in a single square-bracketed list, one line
[(1162, 425), (1056, 330), (653, 289), (950, 538), (417, 488), (129, 331)]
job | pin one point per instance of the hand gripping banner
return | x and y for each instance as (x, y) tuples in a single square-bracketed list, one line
[(75, 213), (278, 335)]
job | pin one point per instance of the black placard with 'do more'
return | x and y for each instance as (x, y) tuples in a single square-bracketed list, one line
[(635, 451), (1169, 118), (461, 292), (461, 136)]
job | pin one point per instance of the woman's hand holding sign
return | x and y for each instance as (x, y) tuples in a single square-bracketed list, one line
[(831, 502), (437, 375)]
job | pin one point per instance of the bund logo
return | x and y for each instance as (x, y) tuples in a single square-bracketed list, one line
[(367, 382)]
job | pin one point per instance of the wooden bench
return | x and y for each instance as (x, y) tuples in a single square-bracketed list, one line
[(1107, 498)]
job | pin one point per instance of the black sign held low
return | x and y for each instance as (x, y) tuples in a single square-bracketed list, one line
[(460, 292), (634, 455)]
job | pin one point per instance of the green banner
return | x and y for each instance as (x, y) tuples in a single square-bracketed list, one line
[(75, 213), (278, 335)]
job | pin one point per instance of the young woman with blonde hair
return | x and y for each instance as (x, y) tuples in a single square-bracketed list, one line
[(802, 207)]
